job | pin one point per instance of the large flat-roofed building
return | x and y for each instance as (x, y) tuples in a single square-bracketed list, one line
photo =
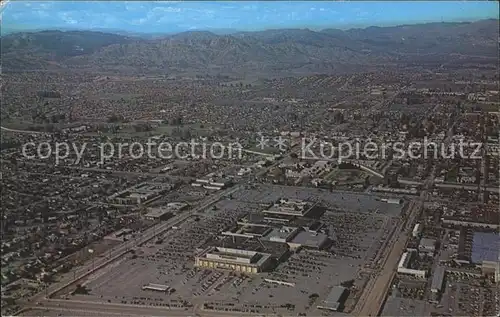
[(164, 212), (120, 235), (334, 300), (233, 259), (417, 230), (281, 234), (437, 279), (158, 214), (427, 245), (309, 239), (155, 287), (212, 183), (289, 207), (485, 247), (261, 219), (486, 253), (248, 231), (140, 194), (277, 250)]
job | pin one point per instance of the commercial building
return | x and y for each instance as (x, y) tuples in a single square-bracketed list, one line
[(120, 235), (485, 247), (491, 268), (289, 207), (158, 214), (395, 201), (282, 234), (155, 287), (464, 223), (486, 253), (427, 245), (309, 239), (334, 300), (437, 280), (476, 216), (140, 194), (278, 282), (382, 189), (248, 231), (164, 212), (404, 269), (212, 183), (233, 259), (416, 230)]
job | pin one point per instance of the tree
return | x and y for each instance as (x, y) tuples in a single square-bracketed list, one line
[(348, 283)]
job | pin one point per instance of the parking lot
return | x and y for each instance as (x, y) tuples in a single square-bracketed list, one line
[(333, 200)]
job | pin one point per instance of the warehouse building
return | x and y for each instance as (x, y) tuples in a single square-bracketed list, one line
[(334, 300), (233, 259)]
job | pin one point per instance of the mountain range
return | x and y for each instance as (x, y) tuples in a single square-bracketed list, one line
[(270, 51)]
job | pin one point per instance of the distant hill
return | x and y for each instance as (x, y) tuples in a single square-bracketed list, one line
[(268, 51)]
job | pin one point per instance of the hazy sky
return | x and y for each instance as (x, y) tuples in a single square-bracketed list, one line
[(176, 16)]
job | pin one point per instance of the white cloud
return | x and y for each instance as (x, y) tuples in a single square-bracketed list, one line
[(139, 21), (67, 18), (42, 14), (133, 7), (166, 10)]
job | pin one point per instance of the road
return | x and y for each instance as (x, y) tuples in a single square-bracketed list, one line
[(451, 185), (373, 296), (375, 292), (380, 283), (22, 131)]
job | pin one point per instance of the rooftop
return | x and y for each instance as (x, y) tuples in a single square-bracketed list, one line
[(437, 278), (485, 247), (283, 234), (333, 299), (310, 239)]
